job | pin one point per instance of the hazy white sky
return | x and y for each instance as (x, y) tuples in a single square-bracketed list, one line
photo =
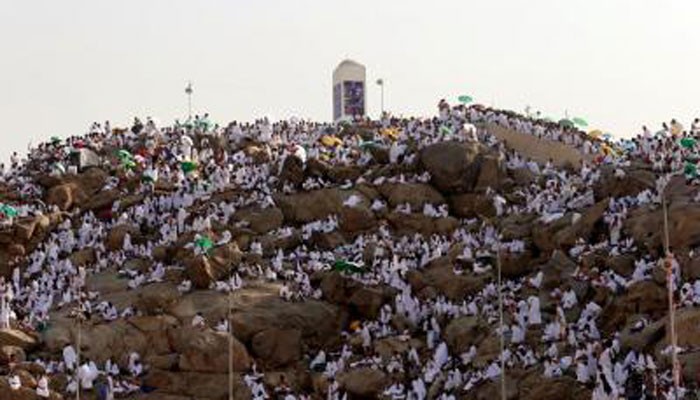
[(67, 63)]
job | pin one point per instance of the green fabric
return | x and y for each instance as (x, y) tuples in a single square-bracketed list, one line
[(688, 142), (465, 99), (580, 122), (566, 122), (188, 166), (346, 266), (204, 243), (690, 170), (8, 210)]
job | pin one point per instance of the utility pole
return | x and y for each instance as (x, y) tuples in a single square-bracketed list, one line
[(668, 264), (230, 345), (189, 92), (380, 82), (500, 316), (79, 316)]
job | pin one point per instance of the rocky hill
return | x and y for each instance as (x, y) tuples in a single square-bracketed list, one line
[(299, 260)]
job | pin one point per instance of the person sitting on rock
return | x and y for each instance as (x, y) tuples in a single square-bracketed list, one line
[(42, 387), (14, 382), (198, 321)]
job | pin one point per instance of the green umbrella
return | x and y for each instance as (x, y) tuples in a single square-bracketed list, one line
[(8, 210), (566, 122), (688, 142), (204, 243), (55, 139), (690, 170), (580, 122), (128, 164), (464, 99), (346, 266), (124, 155), (188, 166)]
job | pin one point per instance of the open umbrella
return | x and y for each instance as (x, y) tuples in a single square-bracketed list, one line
[(464, 99), (690, 170), (391, 133), (445, 130), (55, 139), (188, 166), (580, 122), (124, 155), (204, 243), (595, 134), (346, 266), (566, 123), (8, 210), (331, 141), (688, 142)]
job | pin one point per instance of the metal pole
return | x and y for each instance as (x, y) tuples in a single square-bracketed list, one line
[(189, 91), (671, 307), (78, 340), (230, 348), (500, 315), (382, 99)]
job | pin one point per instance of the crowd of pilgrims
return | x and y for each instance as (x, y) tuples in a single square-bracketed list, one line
[(567, 342)]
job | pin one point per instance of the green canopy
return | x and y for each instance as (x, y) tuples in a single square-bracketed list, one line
[(688, 142), (188, 166), (129, 164), (346, 266), (464, 99), (204, 243), (580, 122), (566, 122), (8, 210), (690, 170), (125, 155)]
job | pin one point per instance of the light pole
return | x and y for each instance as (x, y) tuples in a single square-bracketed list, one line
[(668, 264), (500, 318), (230, 345), (189, 92), (380, 82)]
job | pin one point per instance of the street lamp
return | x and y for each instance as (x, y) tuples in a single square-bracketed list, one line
[(380, 82)]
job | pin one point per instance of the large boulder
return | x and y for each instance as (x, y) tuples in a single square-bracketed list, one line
[(66, 195), (203, 269), (645, 226), (318, 322), (364, 383), (277, 347), (409, 224), (17, 338), (305, 207), (453, 166), (195, 385), (472, 205), (415, 194), (455, 287), (261, 220), (115, 238), (635, 180), (583, 228), (462, 333), (292, 170), (204, 350)]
